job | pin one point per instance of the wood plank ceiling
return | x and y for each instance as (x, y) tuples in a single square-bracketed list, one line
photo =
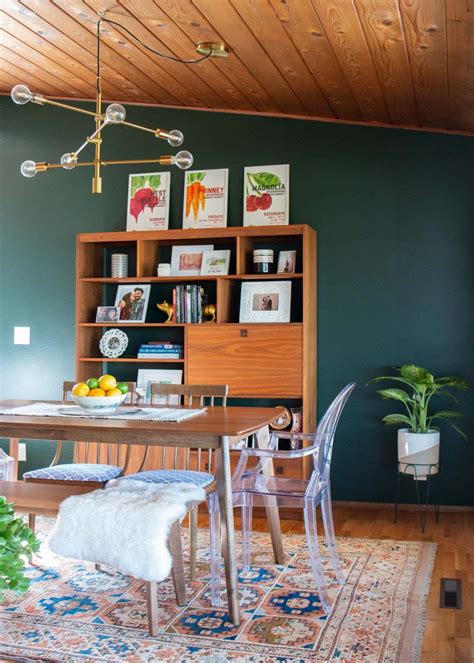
[(399, 62)]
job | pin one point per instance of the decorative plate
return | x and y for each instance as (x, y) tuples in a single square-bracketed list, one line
[(113, 343), (282, 421)]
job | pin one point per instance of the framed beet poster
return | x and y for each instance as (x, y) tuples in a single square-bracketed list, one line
[(205, 198), (148, 201), (267, 195)]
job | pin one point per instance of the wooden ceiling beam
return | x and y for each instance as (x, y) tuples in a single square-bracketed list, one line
[(381, 24), (16, 74), (280, 48), (193, 23), (424, 25), (304, 27), (235, 32)]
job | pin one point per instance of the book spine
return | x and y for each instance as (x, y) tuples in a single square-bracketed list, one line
[(188, 303), (160, 350), (174, 306), (159, 356), (195, 303)]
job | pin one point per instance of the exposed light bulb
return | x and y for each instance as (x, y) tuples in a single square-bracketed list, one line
[(115, 113), (21, 94), (183, 160), (175, 137), (28, 169), (69, 160)]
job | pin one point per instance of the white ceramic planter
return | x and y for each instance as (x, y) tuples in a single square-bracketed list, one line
[(421, 449)]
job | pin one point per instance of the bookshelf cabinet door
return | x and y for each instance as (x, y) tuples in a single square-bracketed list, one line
[(254, 360)]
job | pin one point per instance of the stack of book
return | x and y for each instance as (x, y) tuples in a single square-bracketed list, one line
[(160, 350), (188, 301)]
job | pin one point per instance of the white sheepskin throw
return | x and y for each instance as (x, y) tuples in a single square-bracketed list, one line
[(124, 526)]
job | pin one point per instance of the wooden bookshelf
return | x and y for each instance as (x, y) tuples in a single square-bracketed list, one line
[(274, 362)]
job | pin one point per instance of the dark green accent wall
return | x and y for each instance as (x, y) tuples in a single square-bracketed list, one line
[(393, 211)]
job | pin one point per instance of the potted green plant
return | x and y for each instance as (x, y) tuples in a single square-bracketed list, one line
[(17, 544), (418, 440)]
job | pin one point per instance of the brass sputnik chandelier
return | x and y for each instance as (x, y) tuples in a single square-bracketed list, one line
[(114, 114)]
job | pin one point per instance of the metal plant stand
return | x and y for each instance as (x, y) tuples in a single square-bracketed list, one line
[(420, 472)]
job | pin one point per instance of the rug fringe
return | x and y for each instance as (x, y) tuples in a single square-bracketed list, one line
[(428, 574)]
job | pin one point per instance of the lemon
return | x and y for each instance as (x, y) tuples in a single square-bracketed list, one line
[(96, 392), (92, 383), (114, 392), (123, 386), (80, 389), (107, 382)]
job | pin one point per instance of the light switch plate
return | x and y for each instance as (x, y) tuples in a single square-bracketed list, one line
[(22, 451), (21, 335)]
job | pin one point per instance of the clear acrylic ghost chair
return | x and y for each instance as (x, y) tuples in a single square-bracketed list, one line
[(250, 486)]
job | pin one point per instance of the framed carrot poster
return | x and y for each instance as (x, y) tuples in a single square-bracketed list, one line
[(205, 198), (148, 201), (267, 195)]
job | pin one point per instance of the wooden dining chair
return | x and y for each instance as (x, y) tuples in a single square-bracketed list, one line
[(93, 464), (177, 464)]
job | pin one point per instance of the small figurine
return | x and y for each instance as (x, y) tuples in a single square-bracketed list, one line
[(168, 309), (209, 310)]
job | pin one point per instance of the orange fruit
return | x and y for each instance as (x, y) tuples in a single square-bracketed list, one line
[(114, 392), (80, 389), (97, 392), (107, 382)]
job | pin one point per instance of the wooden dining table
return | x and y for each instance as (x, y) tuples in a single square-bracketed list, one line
[(211, 429)]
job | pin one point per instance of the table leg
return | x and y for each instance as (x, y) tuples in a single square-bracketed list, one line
[(273, 515), (13, 452), (224, 492)]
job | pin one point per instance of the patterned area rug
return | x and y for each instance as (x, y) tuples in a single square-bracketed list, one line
[(73, 613)]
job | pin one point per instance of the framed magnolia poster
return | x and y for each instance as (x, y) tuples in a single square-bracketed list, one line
[(205, 198), (148, 201), (267, 195)]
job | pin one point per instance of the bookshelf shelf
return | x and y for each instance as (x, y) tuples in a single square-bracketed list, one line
[(271, 361)]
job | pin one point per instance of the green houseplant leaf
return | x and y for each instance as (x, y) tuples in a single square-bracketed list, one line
[(422, 386), (17, 544)]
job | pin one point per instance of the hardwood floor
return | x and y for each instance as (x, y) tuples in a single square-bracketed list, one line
[(449, 633)]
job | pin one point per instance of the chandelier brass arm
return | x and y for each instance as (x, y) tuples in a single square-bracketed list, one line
[(114, 114)]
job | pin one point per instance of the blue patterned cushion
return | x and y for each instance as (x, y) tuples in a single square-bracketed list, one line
[(76, 472), (172, 476)]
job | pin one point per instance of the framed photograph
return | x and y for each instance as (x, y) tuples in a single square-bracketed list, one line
[(286, 262), (187, 260), (265, 301), (132, 300), (107, 314), (148, 201), (146, 376), (267, 195), (215, 262), (205, 198)]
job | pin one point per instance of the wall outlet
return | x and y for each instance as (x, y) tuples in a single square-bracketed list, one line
[(22, 451)]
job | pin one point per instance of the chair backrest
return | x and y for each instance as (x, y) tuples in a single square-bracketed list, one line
[(188, 395), (191, 395), (92, 452), (326, 430)]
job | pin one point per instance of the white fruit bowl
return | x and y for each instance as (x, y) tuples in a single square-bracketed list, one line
[(99, 404)]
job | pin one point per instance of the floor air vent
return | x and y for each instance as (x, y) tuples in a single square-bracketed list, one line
[(450, 595)]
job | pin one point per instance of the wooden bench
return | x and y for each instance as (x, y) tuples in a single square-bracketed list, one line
[(34, 498)]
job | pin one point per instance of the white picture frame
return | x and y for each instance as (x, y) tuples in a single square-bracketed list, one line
[(132, 308), (148, 201), (187, 260), (265, 301), (107, 314), (146, 376), (286, 262), (215, 262)]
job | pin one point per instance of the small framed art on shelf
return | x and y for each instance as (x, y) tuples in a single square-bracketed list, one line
[(187, 260), (146, 377), (215, 263), (108, 314), (265, 301), (132, 300)]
